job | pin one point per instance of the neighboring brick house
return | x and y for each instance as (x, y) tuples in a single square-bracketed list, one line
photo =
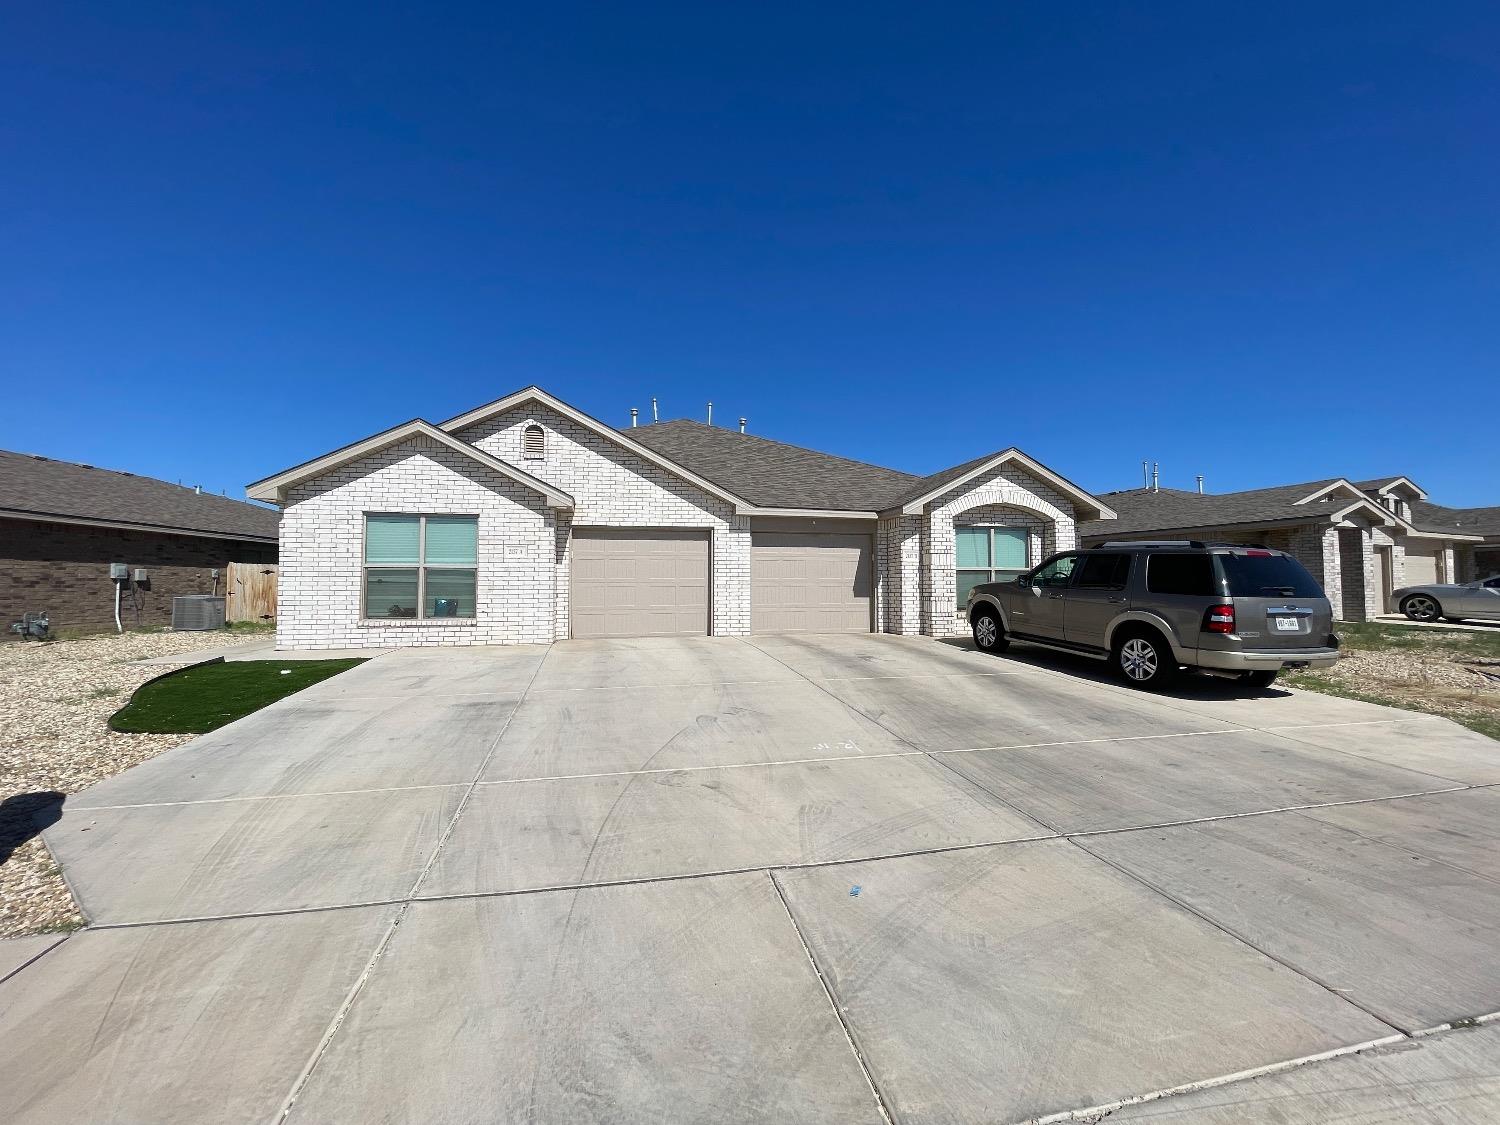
[(1360, 539), (525, 520), (63, 524)]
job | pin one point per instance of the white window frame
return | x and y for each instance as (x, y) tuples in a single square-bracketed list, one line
[(991, 570), (421, 566)]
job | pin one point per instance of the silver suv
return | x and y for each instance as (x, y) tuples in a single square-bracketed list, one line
[(1151, 609)]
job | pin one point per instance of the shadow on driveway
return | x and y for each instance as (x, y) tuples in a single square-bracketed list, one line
[(25, 815), (1211, 689)]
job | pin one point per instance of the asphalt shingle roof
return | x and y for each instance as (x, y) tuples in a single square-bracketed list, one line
[(772, 474), (1467, 521), (42, 486), (1140, 509), (921, 486)]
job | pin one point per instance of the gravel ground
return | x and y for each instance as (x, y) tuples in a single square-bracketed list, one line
[(1460, 685), (55, 699)]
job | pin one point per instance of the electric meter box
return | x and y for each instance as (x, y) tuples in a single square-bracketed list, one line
[(119, 571)]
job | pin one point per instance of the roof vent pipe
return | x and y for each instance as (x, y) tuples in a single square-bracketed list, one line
[(1200, 484), (1156, 476), (1145, 474), (633, 415), (742, 425), (197, 490), (710, 412), (654, 418)]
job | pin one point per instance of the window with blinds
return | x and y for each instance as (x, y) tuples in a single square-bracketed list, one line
[(420, 566)]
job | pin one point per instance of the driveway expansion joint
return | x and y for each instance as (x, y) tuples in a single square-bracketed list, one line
[(1051, 834), (833, 1003), (1097, 1113), (1181, 904), (300, 1083)]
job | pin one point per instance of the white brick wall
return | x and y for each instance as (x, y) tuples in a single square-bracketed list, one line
[(525, 548), (322, 551), (612, 487), (898, 548), (919, 558)]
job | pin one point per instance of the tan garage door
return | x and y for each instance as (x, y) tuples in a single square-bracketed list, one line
[(801, 583), (1421, 568), (637, 583)]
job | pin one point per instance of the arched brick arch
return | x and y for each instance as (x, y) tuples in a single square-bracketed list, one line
[(1010, 498)]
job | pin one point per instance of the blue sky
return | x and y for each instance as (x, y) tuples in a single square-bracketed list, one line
[(1258, 242)]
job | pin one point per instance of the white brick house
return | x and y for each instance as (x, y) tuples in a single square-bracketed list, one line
[(526, 521)]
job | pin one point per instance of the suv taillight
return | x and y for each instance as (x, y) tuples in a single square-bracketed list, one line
[(1219, 619)]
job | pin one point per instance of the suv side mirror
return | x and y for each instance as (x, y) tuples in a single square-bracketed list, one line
[(1022, 580)]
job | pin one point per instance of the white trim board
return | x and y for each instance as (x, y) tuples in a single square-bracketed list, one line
[(274, 488), (1010, 456)]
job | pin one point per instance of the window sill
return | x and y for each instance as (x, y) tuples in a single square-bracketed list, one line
[(413, 622)]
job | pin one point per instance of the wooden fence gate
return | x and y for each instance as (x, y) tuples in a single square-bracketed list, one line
[(250, 592)]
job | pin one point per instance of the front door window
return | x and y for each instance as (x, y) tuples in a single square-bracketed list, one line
[(988, 554)]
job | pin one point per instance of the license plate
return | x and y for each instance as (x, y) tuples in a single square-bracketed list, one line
[(1287, 625)]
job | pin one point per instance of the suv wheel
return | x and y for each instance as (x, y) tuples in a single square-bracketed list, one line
[(1145, 661), (989, 635), (1422, 607), (1259, 681)]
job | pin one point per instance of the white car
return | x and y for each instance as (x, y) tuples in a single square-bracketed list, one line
[(1477, 600)]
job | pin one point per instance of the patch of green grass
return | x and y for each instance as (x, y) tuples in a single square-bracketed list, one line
[(207, 696), (252, 627)]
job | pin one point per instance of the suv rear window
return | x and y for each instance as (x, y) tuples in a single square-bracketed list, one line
[(1192, 575), (1268, 576)]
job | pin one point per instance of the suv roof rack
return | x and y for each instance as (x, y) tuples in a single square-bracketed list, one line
[(1190, 543)]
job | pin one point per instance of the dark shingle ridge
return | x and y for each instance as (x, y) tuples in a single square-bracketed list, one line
[(1142, 510), (770, 473), (44, 486)]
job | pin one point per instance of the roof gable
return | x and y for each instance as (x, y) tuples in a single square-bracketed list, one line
[(273, 488), (536, 394), (930, 488), (1383, 486), (1331, 491)]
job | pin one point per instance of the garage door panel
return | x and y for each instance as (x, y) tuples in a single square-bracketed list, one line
[(1421, 568), (811, 583), (639, 583)]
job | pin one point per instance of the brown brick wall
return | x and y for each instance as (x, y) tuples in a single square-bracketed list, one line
[(64, 570)]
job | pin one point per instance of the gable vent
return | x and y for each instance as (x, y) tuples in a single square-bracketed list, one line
[(533, 443)]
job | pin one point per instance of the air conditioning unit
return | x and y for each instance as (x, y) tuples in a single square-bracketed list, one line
[(198, 613)]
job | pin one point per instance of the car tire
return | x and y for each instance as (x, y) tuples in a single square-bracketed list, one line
[(1143, 660), (1422, 607), (1259, 681), (989, 634)]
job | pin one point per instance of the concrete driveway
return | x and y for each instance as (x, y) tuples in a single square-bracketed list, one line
[(845, 879)]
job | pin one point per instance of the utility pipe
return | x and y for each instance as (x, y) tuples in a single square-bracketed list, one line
[(118, 627)]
